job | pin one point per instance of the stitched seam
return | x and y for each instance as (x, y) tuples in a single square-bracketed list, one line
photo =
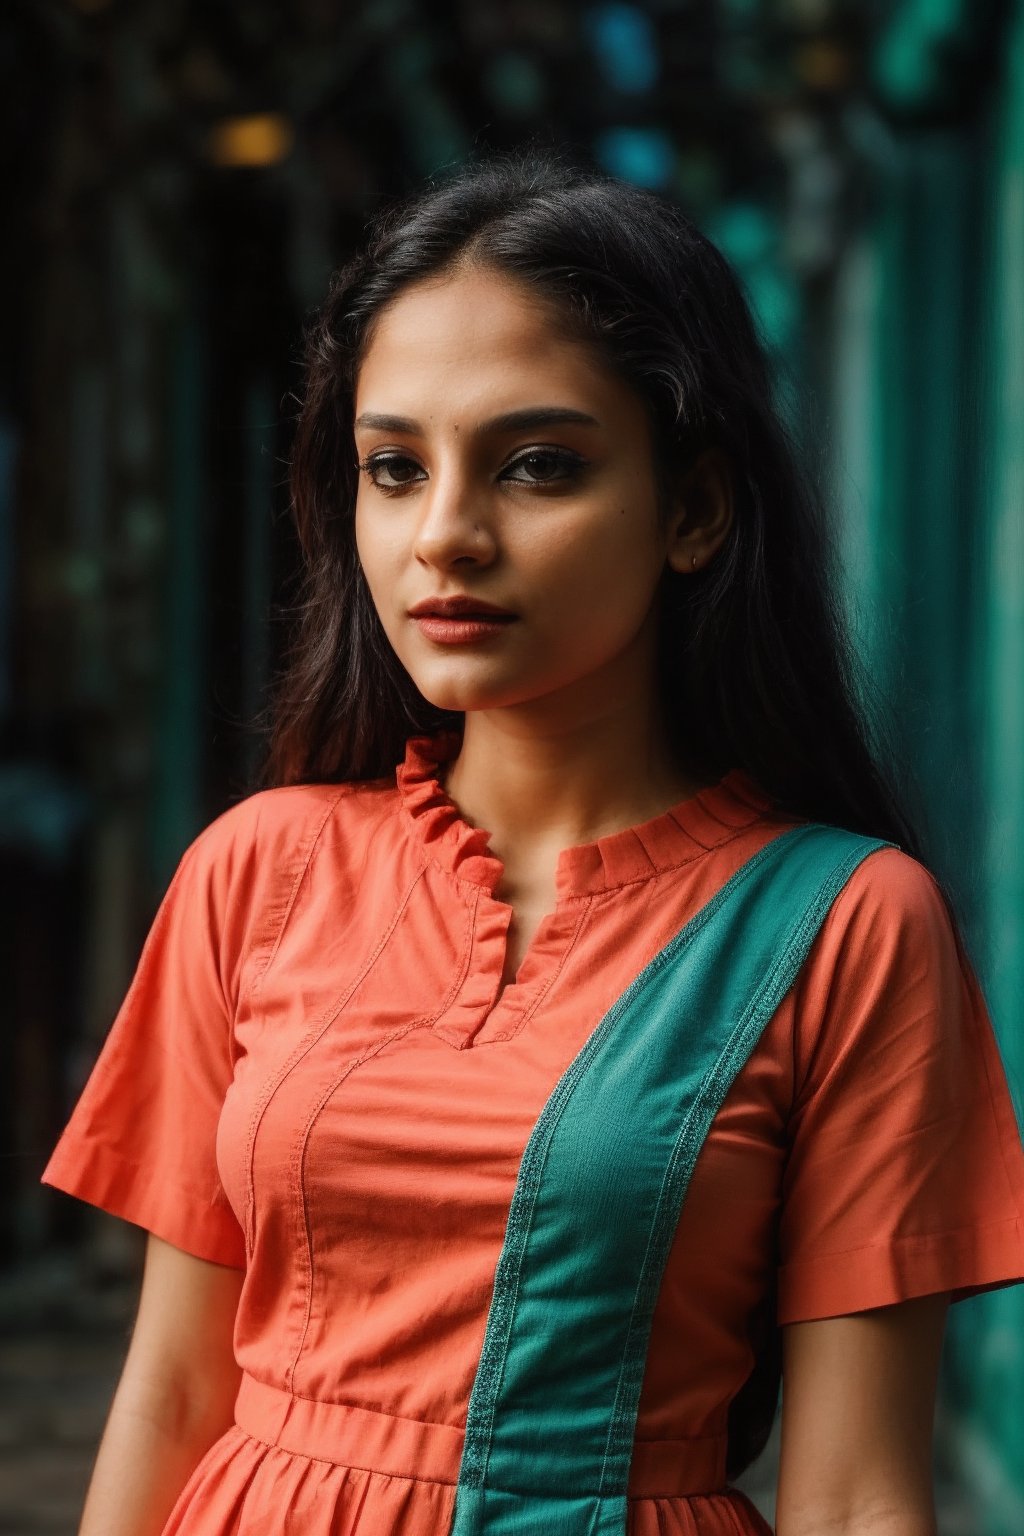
[(566, 1498), (475, 894), (563, 962), (692, 858), (618, 885), (305, 1044), (725, 1492), (298, 1188), (531, 1008), (346, 1466), (276, 933), (296, 1181), (712, 1091), (494, 1353), (339, 1402), (799, 1077), (709, 1096)]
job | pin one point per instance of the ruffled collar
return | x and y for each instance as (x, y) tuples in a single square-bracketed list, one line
[(679, 834)]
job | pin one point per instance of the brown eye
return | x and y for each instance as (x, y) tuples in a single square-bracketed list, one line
[(542, 465), (389, 471)]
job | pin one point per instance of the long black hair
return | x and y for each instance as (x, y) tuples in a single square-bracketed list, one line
[(756, 667)]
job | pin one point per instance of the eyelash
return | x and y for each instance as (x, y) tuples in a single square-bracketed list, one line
[(571, 465)]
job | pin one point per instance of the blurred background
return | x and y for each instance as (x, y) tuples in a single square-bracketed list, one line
[(180, 180)]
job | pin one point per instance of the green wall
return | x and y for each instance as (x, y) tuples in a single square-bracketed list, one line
[(927, 411)]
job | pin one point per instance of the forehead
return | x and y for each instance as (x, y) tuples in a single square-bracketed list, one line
[(477, 339)]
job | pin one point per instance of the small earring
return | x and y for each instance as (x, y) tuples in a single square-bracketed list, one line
[(694, 562)]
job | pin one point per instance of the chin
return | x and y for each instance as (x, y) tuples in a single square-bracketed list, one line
[(465, 694), (457, 684), (462, 700)]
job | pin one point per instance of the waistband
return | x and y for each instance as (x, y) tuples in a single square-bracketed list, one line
[(381, 1442)]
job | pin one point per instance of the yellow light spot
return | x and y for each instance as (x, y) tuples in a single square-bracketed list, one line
[(263, 138)]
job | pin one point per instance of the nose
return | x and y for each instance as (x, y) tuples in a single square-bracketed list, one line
[(454, 527)]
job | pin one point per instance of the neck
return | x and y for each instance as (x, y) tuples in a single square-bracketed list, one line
[(540, 785)]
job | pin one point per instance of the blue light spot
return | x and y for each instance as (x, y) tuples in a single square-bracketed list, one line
[(623, 40), (644, 156)]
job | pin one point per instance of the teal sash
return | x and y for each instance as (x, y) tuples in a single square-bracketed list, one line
[(552, 1414)]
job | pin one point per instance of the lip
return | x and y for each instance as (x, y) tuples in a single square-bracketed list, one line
[(462, 631), (461, 607)]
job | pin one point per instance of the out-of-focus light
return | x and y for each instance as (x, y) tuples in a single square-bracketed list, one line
[(644, 156), (746, 232), (263, 138), (807, 13), (823, 65), (749, 236), (514, 83), (624, 42)]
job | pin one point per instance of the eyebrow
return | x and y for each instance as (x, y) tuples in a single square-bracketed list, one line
[(512, 421)]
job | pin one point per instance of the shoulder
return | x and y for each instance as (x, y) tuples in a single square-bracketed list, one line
[(242, 875), (291, 819), (261, 846), (890, 905), (889, 885), (887, 968)]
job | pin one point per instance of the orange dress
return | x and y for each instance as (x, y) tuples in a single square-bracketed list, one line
[(316, 1076)]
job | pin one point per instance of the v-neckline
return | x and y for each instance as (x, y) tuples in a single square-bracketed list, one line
[(446, 840)]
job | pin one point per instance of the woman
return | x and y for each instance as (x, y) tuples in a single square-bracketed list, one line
[(508, 1107)]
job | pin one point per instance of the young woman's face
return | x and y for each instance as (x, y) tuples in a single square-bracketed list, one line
[(503, 465)]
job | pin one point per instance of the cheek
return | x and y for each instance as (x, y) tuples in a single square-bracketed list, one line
[(606, 565), (361, 540), (376, 551)]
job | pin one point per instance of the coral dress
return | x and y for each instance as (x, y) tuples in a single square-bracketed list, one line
[(504, 1247)]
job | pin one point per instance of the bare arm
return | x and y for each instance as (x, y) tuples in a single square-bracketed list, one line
[(858, 1406), (175, 1396)]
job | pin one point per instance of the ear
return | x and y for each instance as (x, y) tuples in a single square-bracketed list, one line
[(702, 511)]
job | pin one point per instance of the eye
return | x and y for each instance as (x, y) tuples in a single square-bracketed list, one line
[(543, 465), (397, 469)]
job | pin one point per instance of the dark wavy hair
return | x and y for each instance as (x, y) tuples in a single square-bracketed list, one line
[(756, 667)]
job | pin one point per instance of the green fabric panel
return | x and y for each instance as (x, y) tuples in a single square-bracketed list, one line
[(492, 1510), (552, 1414)]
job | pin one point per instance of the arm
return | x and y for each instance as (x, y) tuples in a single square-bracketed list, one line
[(175, 1396), (858, 1404)]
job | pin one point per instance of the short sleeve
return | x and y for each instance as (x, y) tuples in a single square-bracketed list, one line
[(141, 1140), (905, 1168)]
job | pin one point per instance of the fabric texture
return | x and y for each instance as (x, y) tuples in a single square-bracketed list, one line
[(316, 1076), (552, 1416)]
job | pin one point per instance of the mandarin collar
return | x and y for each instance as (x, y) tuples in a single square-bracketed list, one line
[(675, 836)]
